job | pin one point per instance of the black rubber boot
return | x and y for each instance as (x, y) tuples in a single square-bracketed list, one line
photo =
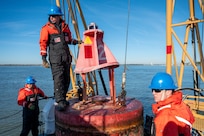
[(61, 106), (67, 103)]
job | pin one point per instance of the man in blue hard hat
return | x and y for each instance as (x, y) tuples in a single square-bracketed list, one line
[(54, 37), (172, 116), (28, 99)]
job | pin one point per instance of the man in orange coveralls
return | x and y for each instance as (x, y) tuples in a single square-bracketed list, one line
[(28, 98), (172, 116), (55, 37)]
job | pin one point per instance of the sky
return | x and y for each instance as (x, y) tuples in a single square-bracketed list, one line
[(145, 36)]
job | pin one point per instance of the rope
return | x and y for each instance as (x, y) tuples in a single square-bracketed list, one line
[(21, 110), (75, 12), (193, 89), (11, 129), (46, 98), (10, 115), (63, 5), (75, 15)]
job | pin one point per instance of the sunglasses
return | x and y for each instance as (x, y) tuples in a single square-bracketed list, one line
[(157, 90), (53, 15)]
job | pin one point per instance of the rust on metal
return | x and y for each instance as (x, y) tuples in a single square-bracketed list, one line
[(99, 116)]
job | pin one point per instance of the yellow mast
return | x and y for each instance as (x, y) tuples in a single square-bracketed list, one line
[(90, 83), (168, 36), (191, 24), (195, 58)]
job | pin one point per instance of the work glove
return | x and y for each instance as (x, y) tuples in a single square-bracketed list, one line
[(44, 62), (45, 97), (31, 106), (25, 104), (74, 42)]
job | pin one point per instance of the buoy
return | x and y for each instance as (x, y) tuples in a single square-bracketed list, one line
[(98, 116)]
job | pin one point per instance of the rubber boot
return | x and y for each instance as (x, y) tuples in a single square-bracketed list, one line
[(61, 106)]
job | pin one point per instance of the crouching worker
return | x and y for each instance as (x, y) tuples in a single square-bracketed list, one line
[(28, 98), (172, 116)]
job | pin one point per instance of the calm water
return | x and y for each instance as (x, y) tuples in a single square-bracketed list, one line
[(12, 78)]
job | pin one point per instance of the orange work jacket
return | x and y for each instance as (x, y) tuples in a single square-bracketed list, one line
[(25, 92), (172, 117), (60, 36)]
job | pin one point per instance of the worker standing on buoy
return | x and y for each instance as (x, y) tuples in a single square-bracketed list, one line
[(55, 37), (28, 98), (172, 116)]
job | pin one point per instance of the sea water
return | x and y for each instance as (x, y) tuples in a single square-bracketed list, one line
[(12, 78)]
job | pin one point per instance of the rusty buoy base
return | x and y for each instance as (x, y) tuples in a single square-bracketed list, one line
[(100, 117)]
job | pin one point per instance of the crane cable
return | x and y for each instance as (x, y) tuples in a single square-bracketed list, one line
[(75, 15), (121, 98), (78, 82), (125, 63)]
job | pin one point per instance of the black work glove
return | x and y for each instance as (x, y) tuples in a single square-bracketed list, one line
[(45, 97), (44, 62), (74, 42)]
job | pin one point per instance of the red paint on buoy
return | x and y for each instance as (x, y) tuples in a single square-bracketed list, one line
[(100, 117)]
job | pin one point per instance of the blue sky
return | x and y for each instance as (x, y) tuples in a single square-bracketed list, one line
[(21, 21)]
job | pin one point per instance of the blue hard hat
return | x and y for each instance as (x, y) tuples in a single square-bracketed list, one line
[(30, 80), (55, 10), (162, 81)]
